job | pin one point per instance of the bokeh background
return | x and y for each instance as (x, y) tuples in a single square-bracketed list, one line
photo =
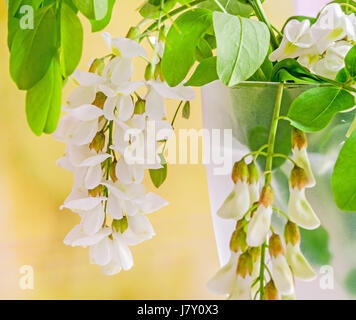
[(175, 264)]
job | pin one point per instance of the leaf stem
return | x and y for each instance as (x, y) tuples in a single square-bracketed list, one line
[(220, 6)]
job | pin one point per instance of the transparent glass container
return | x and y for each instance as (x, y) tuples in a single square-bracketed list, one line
[(247, 110)]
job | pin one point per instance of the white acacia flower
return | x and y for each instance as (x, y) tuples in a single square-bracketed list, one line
[(259, 226), (112, 254), (237, 203), (299, 265), (301, 158), (223, 280), (282, 275), (150, 203), (300, 211), (139, 229), (77, 237), (123, 198), (297, 40), (241, 288), (79, 126)]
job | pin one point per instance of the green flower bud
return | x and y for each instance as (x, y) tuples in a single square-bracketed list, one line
[(298, 178), (245, 265), (255, 253), (275, 245), (140, 106), (99, 100), (271, 292), (238, 241), (291, 233), (240, 171), (98, 142), (120, 225), (112, 171), (267, 196), (134, 33), (253, 173), (148, 72)]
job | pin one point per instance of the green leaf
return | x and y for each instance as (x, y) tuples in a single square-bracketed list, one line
[(314, 109), (98, 25), (32, 50), (235, 8), (13, 7), (204, 73), (350, 62), (151, 8), (315, 245), (203, 50), (182, 39), (264, 73), (71, 40), (92, 9), (290, 70), (158, 176), (242, 47), (43, 101), (186, 110), (343, 180)]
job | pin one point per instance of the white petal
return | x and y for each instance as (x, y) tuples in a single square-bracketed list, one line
[(254, 192), (93, 177), (87, 79), (128, 87), (127, 47), (76, 237), (302, 160), (109, 107), (282, 275), (258, 226), (122, 71), (155, 105), (83, 204), (123, 252), (151, 203), (93, 220), (114, 207), (80, 96), (178, 93), (139, 230), (86, 112), (101, 253), (84, 132), (126, 108), (300, 266), (241, 288)]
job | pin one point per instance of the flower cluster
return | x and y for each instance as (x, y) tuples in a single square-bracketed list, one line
[(322, 46), (243, 277), (110, 142)]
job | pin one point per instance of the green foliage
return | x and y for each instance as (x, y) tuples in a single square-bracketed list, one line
[(92, 9), (242, 46), (182, 40), (98, 25), (152, 8), (343, 180), (350, 282), (204, 73), (314, 109), (350, 62), (315, 246), (43, 101), (32, 50), (71, 40), (233, 7), (158, 176)]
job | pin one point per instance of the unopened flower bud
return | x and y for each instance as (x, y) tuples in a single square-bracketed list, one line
[(112, 171), (240, 171), (238, 241), (120, 225), (253, 173), (253, 185), (99, 100), (299, 139), (140, 106), (275, 245), (245, 265), (97, 191), (267, 196), (97, 66), (134, 33), (158, 72), (271, 292), (98, 143), (148, 72), (291, 233), (255, 253), (298, 178)]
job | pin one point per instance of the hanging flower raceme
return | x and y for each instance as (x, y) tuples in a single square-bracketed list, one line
[(238, 201), (299, 209), (103, 127)]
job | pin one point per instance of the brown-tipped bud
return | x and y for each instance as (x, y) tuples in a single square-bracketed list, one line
[(148, 72), (298, 178), (275, 245), (97, 191), (239, 171), (120, 225), (253, 173), (240, 224), (245, 265), (291, 233), (140, 106), (134, 33), (271, 292), (98, 143), (299, 139), (99, 100), (112, 171), (238, 241), (97, 66), (255, 253), (267, 196)]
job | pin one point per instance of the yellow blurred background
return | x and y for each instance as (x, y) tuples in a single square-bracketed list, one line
[(175, 264)]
